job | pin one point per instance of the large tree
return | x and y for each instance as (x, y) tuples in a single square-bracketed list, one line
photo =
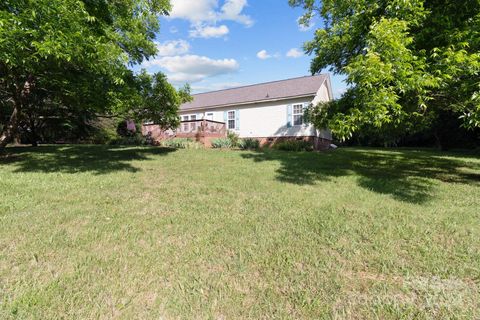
[(154, 91), (407, 62), (73, 54)]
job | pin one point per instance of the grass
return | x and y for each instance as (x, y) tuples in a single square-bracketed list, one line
[(91, 232)]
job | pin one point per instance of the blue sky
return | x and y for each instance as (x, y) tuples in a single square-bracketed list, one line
[(218, 44)]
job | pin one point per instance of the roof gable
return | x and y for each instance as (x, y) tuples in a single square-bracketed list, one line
[(277, 90)]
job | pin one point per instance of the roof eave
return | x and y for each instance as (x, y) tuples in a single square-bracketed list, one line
[(248, 102)]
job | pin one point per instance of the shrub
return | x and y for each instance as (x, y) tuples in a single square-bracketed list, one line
[(222, 143), (234, 138), (136, 140), (181, 143), (248, 144), (103, 132), (294, 145), (100, 137)]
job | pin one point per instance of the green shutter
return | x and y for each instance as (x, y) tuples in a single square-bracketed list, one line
[(289, 116), (237, 119), (225, 117)]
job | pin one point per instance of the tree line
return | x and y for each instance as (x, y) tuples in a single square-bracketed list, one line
[(71, 59), (412, 67)]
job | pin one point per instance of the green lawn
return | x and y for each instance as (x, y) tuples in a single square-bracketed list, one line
[(147, 233)]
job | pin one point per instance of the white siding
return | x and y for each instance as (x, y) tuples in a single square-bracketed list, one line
[(269, 119), (323, 95)]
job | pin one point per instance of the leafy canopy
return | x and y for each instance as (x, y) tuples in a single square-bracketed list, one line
[(155, 91), (75, 55), (406, 61)]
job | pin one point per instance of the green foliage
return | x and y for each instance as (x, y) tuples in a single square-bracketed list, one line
[(294, 145), (160, 100), (74, 55), (102, 136), (233, 141), (234, 138), (222, 143), (405, 62), (472, 116), (181, 143), (134, 140), (445, 132), (248, 144)]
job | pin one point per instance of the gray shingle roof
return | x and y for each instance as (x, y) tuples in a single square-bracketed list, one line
[(276, 90)]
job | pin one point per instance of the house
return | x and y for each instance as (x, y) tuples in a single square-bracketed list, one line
[(269, 112)]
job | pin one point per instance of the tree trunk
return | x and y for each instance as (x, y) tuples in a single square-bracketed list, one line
[(17, 139), (438, 140), (33, 133), (19, 96), (10, 128)]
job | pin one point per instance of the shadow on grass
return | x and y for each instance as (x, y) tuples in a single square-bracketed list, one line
[(405, 174), (78, 158)]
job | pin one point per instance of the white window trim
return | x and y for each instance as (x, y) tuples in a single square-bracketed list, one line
[(296, 114), (234, 120), (193, 125), (189, 117), (189, 127)]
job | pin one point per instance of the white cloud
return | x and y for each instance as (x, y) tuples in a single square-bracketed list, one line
[(193, 68), (206, 14), (173, 48), (294, 53), (209, 32), (181, 78), (201, 11), (232, 10), (263, 55), (198, 64), (305, 27), (194, 11)]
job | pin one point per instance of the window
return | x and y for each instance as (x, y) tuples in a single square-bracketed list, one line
[(189, 123), (209, 116), (185, 125), (193, 125), (297, 114), (231, 120)]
